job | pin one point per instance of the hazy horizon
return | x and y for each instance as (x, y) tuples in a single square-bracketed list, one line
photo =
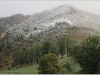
[(9, 8)]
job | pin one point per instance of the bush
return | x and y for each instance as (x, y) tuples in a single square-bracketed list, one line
[(9, 68), (65, 71), (67, 66)]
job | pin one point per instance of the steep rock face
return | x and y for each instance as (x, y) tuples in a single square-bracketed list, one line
[(7, 22)]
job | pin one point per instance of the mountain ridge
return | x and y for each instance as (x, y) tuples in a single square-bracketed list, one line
[(47, 19)]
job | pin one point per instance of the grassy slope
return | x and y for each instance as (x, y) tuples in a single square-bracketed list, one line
[(33, 68), (74, 64), (24, 70)]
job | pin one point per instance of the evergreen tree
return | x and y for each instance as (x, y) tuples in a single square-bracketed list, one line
[(46, 47), (31, 55), (21, 58), (27, 58), (62, 46), (53, 49), (68, 45), (37, 50), (89, 54), (16, 57)]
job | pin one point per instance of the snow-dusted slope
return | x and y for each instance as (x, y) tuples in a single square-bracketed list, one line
[(64, 14)]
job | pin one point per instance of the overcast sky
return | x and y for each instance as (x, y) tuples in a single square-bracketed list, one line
[(8, 8)]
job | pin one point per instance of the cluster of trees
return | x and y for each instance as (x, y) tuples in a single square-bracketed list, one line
[(5, 45), (49, 62), (26, 57), (65, 46), (87, 53), (33, 55), (49, 65), (45, 54), (61, 23)]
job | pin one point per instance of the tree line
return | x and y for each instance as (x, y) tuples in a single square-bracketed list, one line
[(33, 55), (87, 54)]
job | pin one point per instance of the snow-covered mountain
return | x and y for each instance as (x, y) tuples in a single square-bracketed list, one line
[(64, 15)]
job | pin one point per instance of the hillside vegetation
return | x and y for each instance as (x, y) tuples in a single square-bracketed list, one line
[(32, 69), (29, 52)]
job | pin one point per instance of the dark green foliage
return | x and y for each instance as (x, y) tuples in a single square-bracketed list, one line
[(0, 48), (16, 57), (75, 51), (49, 64), (64, 71), (46, 47), (89, 54), (98, 70), (27, 57), (53, 49), (67, 66), (5, 45), (61, 44), (65, 45), (69, 45), (22, 57), (37, 50), (31, 55)]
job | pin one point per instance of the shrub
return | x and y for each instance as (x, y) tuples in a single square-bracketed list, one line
[(65, 71)]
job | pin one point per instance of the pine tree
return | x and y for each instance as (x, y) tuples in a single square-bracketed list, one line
[(62, 46), (89, 54), (46, 47)]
